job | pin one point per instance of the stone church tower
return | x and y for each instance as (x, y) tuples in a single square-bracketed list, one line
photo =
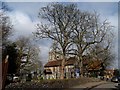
[(53, 55)]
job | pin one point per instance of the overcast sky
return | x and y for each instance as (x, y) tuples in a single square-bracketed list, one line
[(61, 0), (24, 16)]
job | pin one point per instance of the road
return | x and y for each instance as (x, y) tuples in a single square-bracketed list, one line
[(106, 86), (98, 85)]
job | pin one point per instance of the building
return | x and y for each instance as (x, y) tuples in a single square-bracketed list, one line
[(53, 68), (109, 73), (92, 67)]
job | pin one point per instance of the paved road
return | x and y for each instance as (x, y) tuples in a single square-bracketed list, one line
[(106, 86), (98, 85), (89, 85)]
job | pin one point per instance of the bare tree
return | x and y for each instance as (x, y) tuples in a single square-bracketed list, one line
[(34, 63), (35, 57), (5, 23), (59, 25), (89, 31), (102, 52), (29, 53), (69, 26)]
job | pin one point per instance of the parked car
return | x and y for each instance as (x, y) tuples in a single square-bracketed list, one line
[(16, 79), (115, 79), (11, 78)]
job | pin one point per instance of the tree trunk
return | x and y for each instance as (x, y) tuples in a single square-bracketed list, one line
[(81, 65), (62, 69)]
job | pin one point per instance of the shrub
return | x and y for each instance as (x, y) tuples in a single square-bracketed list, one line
[(65, 83)]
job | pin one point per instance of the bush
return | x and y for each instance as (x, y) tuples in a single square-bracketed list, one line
[(66, 83)]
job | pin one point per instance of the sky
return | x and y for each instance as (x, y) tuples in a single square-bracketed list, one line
[(24, 17), (60, 0)]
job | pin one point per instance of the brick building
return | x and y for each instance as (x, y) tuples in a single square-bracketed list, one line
[(91, 67), (53, 68)]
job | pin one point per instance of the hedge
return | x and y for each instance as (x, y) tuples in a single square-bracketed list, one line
[(47, 84)]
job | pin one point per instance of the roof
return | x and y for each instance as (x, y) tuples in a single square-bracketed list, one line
[(55, 63), (94, 65), (91, 64)]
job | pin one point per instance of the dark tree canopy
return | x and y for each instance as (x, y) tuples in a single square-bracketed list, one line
[(116, 72), (12, 60)]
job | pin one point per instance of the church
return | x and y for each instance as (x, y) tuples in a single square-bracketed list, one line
[(53, 66)]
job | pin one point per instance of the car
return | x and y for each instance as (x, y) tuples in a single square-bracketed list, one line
[(16, 79), (115, 79), (12, 78)]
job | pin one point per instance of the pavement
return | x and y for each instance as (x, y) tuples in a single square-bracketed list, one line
[(90, 85)]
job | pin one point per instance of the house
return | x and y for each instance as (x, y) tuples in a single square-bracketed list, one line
[(92, 67), (53, 68), (109, 73)]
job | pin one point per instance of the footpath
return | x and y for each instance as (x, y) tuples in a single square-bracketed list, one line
[(90, 85)]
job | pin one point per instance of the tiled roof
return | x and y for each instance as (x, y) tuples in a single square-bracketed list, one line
[(53, 63), (91, 65), (70, 61), (95, 65)]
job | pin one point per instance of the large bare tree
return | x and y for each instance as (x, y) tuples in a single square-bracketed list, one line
[(58, 25), (89, 31), (67, 25)]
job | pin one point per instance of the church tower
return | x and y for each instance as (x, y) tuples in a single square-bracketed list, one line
[(54, 56)]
